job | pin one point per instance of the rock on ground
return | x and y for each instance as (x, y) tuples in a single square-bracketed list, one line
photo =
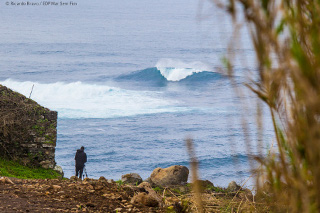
[(204, 184), (132, 178), (233, 186), (144, 199), (147, 187), (59, 169), (173, 175), (5, 180)]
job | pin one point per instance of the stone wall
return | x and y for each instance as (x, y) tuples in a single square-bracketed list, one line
[(28, 131)]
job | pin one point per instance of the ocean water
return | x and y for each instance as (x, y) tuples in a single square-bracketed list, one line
[(131, 80)]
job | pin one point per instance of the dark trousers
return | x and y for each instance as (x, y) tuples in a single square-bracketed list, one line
[(79, 170)]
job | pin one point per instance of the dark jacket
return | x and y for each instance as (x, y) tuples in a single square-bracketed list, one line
[(81, 157)]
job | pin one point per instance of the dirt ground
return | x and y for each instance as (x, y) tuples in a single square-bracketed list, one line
[(90, 195), (67, 196)]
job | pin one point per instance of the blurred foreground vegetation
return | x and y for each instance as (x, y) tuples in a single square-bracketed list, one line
[(286, 38)]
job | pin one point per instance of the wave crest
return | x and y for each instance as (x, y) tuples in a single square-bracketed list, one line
[(176, 70)]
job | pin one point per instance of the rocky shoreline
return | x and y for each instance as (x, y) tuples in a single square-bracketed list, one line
[(165, 191)]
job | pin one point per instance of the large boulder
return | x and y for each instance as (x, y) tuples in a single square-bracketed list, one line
[(173, 175), (132, 178)]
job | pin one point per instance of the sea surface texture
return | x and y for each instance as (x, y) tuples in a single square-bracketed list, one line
[(131, 80)]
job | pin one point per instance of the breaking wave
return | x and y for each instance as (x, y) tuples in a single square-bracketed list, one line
[(176, 70), (82, 100), (167, 70)]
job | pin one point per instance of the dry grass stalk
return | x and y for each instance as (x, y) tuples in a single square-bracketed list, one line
[(194, 171)]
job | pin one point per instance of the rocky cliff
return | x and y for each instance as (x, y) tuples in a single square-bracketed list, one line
[(27, 130)]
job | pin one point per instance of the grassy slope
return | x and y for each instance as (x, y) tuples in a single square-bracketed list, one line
[(14, 169)]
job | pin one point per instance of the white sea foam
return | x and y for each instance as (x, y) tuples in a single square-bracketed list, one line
[(176, 70), (81, 100)]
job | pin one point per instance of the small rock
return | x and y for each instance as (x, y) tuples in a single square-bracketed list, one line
[(59, 170), (56, 187), (88, 179), (118, 209), (233, 186), (5, 180), (74, 178), (204, 184), (110, 181), (102, 179), (145, 199), (132, 178), (147, 187)]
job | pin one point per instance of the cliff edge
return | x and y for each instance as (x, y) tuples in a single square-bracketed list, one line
[(28, 131)]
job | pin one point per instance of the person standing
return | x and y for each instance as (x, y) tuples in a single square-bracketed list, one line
[(81, 159)]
